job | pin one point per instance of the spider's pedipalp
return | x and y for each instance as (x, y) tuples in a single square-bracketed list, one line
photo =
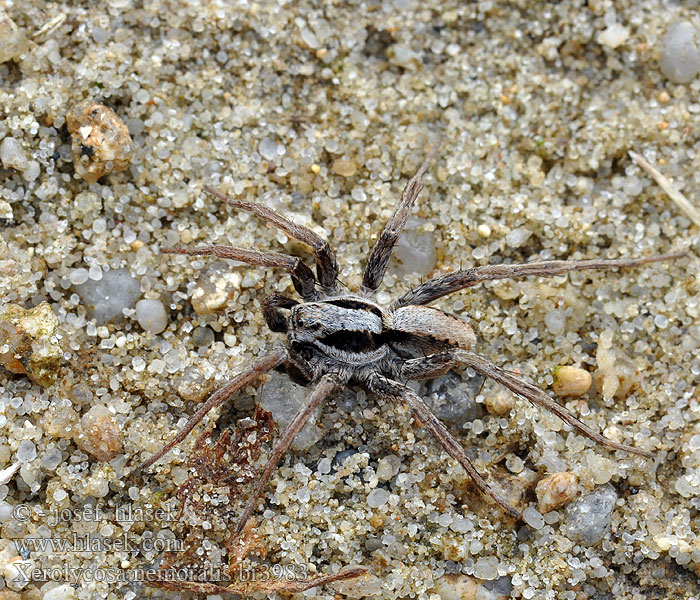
[(275, 320), (451, 282), (262, 365), (395, 391), (381, 253), (325, 388), (302, 276), (326, 263)]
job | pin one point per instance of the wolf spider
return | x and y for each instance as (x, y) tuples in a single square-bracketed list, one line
[(336, 338)]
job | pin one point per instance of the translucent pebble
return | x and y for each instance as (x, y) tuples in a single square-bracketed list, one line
[(283, 398), (51, 459), (99, 226), (533, 518), (517, 237), (415, 252), (12, 154), (13, 42), (32, 172), (588, 518), (26, 451), (108, 297), (303, 494), (202, 336), (6, 511), (151, 315), (555, 320), (680, 55), (377, 497), (324, 466), (268, 148), (486, 567), (78, 276), (138, 364), (613, 36), (95, 272)]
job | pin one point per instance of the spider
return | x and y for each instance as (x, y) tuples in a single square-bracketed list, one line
[(336, 338)]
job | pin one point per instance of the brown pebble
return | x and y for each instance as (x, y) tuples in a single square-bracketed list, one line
[(101, 141), (345, 168), (99, 433), (555, 490), (571, 381)]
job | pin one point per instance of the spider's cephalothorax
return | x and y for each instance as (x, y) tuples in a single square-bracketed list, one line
[(336, 338)]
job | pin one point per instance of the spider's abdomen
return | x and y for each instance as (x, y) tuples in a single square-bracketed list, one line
[(419, 330)]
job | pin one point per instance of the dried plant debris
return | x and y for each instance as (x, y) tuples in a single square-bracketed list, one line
[(213, 555), (683, 203)]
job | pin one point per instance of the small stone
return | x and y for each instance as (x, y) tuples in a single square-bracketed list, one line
[(13, 155), (414, 253), (533, 518), (613, 36), (364, 586), (202, 337), (344, 168), (101, 141), (459, 586), (30, 342), (556, 490), (15, 570), (486, 567), (484, 230), (453, 400), (283, 398), (680, 54), (617, 374), (268, 148), (9, 595), (588, 518), (99, 434), (517, 237), (60, 592), (499, 402), (571, 381), (193, 385), (215, 286), (107, 298), (377, 497), (26, 451), (151, 315), (555, 320), (13, 42)]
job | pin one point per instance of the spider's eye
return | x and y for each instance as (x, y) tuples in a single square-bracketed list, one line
[(301, 322)]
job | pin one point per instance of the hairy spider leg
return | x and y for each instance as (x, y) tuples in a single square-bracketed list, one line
[(302, 276), (326, 263), (325, 388), (262, 365), (383, 249), (395, 391), (439, 363), (451, 282)]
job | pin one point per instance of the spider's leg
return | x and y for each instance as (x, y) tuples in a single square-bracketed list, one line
[(451, 282), (325, 388), (326, 264), (271, 310), (302, 275), (260, 366), (381, 253), (394, 391), (519, 388)]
